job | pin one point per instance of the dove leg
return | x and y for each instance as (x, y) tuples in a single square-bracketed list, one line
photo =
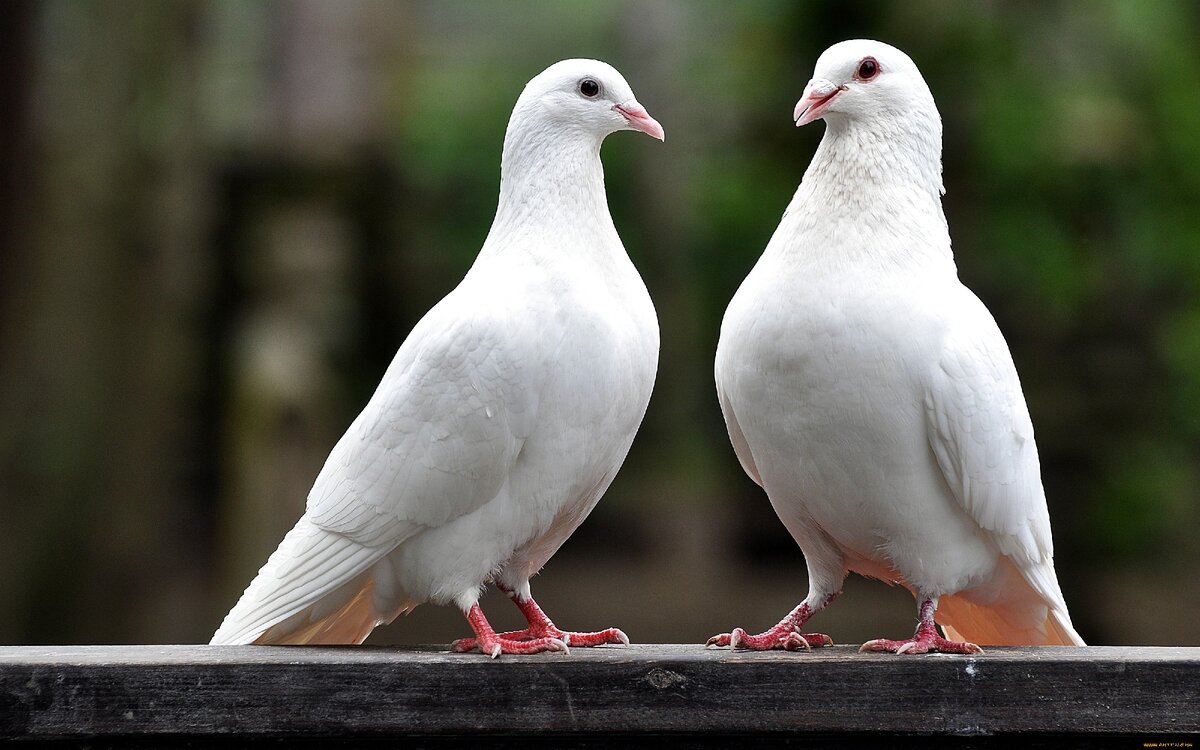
[(540, 625), (541, 628), (493, 644), (925, 640), (785, 635), (826, 572)]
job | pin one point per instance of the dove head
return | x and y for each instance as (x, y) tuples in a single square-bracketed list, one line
[(865, 81), (552, 146), (583, 98), (874, 100)]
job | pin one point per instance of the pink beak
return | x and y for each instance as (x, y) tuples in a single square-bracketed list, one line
[(818, 95), (639, 119)]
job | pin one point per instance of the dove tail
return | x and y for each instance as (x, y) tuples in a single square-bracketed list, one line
[(1024, 607), (318, 587), (1060, 631), (1006, 624), (351, 623)]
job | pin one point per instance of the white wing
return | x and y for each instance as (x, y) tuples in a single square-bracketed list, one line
[(436, 441), (439, 436), (981, 434)]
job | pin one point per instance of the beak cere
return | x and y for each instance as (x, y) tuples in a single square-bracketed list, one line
[(638, 118), (818, 95)]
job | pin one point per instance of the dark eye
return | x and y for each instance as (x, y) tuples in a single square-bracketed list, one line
[(589, 88), (867, 69)]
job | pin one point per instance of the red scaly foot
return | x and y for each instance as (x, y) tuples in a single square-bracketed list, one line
[(776, 637), (516, 642), (541, 630), (539, 623), (925, 640), (786, 635)]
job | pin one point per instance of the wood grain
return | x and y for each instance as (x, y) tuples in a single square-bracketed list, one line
[(256, 692)]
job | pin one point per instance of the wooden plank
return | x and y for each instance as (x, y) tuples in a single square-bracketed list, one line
[(254, 692)]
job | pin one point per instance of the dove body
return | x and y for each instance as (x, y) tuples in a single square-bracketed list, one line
[(503, 417), (872, 395)]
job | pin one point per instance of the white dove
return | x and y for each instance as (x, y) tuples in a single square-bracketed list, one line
[(872, 395), (503, 417)]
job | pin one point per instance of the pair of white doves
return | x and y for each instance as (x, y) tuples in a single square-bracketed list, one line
[(864, 388)]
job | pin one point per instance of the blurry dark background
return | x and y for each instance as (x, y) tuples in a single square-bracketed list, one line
[(219, 219)]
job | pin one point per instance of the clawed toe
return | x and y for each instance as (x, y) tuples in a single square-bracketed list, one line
[(719, 640), (921, 644), (463, 645), (540, 636), (926, 640), (775, 638), (611, 636), (531, 646)]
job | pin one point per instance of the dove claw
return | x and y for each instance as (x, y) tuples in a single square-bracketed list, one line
[(541, 635), (781, 637), (785, 635), (736, 636), (612, 636), (463, 645), (925, 641), (496, 645)]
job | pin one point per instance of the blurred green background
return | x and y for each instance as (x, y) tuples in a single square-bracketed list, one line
[(219, 219)]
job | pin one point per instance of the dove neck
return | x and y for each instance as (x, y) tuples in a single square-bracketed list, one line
[(901, 152), (548, 177), (872, 196)]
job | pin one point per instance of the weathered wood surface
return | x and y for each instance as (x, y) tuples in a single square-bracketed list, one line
[(254, 692)]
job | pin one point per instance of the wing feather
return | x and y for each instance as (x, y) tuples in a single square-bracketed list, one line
[(310, 565), (436, 441), (438, 438), (981, 434)]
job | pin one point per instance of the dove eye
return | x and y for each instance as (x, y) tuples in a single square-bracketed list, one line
[(589, 88), (867, 69)]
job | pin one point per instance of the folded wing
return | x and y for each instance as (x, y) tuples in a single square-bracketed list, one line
[(436, 441), (981, 434)]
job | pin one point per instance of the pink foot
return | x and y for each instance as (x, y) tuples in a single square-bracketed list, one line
[(496, 645), (463, 645), (926, 640), (541, 635), (921, 644), (569, 638), (777, 637), (517, 642), (613, 636), (786, 635)]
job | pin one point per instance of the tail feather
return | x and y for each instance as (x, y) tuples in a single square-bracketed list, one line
[(316, 587), (1060, 629), (351, 623), (1001, 625), (1023, 606)]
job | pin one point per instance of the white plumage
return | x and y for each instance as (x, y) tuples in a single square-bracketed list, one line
[(503, 417), (872, 395)]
